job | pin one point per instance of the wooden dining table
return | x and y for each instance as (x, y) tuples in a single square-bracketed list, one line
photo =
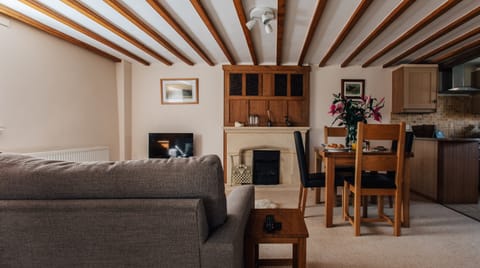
[(340, 158)]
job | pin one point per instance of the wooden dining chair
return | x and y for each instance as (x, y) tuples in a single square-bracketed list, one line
[(336, 132), (328, 133), (376, 183), (308, 180)]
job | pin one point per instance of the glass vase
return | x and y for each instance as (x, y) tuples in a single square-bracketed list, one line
[(351, 137)]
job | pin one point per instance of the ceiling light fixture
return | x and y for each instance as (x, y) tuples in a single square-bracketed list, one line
[(268, 28), (263, 14)]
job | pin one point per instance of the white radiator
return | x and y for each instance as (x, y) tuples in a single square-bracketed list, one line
[(76, 155)]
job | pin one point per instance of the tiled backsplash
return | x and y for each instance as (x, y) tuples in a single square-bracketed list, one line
[(453, 117)]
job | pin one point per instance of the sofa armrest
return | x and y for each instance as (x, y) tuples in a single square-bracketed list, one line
[(224, 247)]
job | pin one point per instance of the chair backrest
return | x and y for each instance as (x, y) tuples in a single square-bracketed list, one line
[(333, 132), (302, 160), (409, 137), (388, 161)]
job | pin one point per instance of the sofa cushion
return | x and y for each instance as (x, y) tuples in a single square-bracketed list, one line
[(25, 177)]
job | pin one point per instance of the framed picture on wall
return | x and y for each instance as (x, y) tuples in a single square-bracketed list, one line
[(179, 90), (353, 88)]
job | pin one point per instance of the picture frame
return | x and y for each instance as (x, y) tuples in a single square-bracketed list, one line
[(353, 88), (179, 90)]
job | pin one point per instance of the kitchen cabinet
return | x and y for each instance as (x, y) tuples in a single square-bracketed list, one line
[(414, 88), (424, 168), (281, 91), (446, 170), (475, 104)]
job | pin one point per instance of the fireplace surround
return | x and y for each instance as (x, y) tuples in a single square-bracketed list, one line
[(240, 142)]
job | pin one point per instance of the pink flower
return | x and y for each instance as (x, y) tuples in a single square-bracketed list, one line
[(332, 109), (340, 107), (348, 111)]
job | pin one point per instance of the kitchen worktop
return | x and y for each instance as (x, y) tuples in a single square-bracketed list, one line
[(453, 139)]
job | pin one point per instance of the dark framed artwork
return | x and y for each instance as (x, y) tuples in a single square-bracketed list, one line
[(353, 88), (179, 91)]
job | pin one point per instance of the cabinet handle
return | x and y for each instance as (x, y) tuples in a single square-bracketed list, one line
[(434, 101)]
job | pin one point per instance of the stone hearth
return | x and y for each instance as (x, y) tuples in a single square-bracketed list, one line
[(241, 141)]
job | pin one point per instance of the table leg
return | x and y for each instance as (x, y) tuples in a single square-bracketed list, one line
[(329, 190), (302, 253), (406, 194), (251, 253), (318, 168), (295, 256)]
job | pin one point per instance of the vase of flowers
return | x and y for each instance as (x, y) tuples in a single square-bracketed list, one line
[(348, 112)]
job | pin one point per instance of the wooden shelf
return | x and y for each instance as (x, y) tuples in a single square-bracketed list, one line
[(254, 90)]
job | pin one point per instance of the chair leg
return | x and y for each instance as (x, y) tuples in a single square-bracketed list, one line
[(300, 195), (304, 201), (397, 220), (319, 191), (365, 200), (345, 201), (356, 216), (380, 205)]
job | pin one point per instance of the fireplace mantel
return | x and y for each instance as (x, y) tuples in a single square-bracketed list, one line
[(240, 141), (288, 130)]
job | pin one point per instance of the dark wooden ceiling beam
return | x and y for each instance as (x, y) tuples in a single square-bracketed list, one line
[(317, 15), (447, 45), (78, 6), (49, 30), (465, 56), (470, 15), (125, 12), (213, 30), (474, 45), (451, 43), (174, 24), (380, 28), (64, 20), (417, 27), (346, 30), (243, 20), (281, 10)]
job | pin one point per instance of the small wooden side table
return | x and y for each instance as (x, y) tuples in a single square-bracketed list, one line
[(293, 231)]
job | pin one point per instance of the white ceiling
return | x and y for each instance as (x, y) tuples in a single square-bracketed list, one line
[(298, 18)]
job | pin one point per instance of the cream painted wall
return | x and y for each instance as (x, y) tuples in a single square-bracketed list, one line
[(205, 119), (54, 95)]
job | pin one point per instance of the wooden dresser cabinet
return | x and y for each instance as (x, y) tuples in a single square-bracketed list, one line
[(255, 90), (414, 88)]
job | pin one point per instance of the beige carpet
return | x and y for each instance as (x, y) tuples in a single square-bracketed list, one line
[(438, 237), (470, 210)]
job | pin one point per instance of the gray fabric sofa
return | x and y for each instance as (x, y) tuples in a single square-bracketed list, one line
[(138, 213)]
